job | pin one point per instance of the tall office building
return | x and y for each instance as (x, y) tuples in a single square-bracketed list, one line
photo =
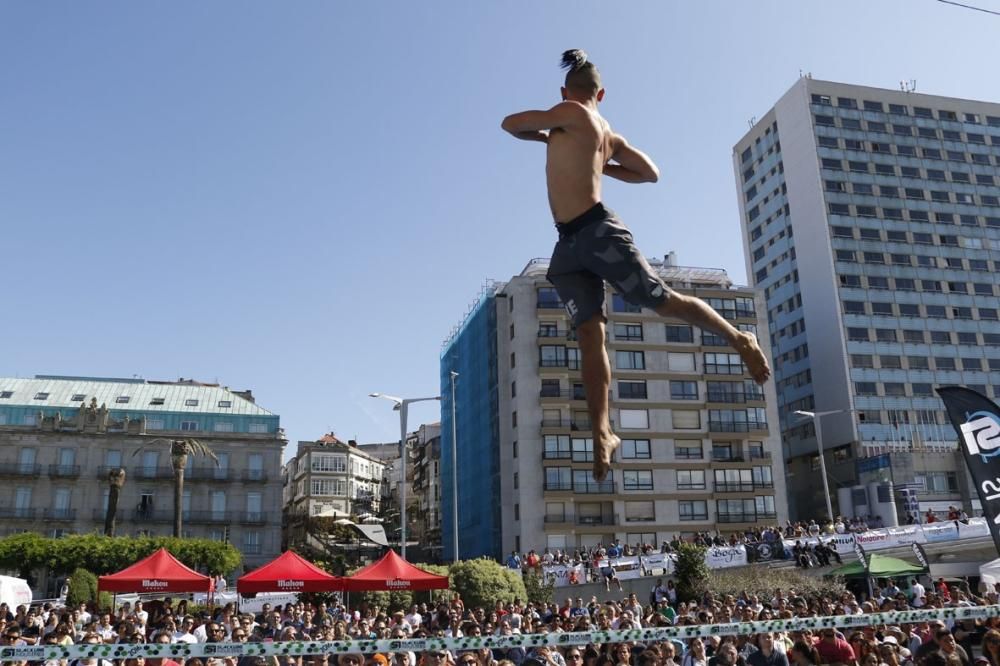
[(697, 451), (871, 221), (62, 436)]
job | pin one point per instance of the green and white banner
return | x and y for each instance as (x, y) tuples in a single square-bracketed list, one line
[(528, 641)]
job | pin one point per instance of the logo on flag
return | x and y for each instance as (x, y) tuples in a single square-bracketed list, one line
[(981, 433)]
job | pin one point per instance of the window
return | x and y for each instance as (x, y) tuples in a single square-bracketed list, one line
[(628, 332), (975, 364), (846, 256), (639, 512), (875, 282), (155, 402), (885, 335), (966, 338), (685, 419), (619, 304), (189, 425), (258, 428), (850, 281), (687, 449), (548, 299), (632, 390), (225, 404), (858, 334), (637, 479), (905, 284), (882, 309), (723, 364), (680, 362), (692, 510), (679, 333), (155, 424), (865, 388), (854, 307), (690, 479), (944, 363), (582, 449), (222, 426), (895, 388), (909, 310), (633, 418), (683, 390), (122, 399), (6, 394), (557, 447), (862, 361), (328, 463), (940, 337), (191, 402), (630, 360), (635, 449)]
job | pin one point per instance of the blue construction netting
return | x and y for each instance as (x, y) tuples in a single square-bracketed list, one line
[(472, 352)]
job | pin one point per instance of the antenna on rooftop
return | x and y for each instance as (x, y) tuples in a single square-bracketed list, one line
[(752, 121), (908, 86)]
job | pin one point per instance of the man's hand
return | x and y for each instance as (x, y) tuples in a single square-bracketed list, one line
[(633, 165)]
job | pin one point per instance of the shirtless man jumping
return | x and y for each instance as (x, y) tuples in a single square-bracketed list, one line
[(594, 246)]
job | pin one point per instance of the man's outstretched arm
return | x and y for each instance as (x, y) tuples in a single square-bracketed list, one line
[(534, 125), (632, 165)]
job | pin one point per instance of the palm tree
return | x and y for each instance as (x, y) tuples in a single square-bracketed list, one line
[(116, 479), (180, 449)]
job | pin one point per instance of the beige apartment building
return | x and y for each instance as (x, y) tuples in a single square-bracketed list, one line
[(61, 437), (700, 449), (330, 478)]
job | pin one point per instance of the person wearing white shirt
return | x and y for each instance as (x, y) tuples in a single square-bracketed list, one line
[(183, 633), (413, 618), (917, 592)]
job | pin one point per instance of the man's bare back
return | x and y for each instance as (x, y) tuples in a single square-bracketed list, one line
[(575, 159), (595, 247)]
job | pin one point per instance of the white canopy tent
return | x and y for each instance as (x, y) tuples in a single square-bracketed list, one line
[(14, 592), (989, 573)]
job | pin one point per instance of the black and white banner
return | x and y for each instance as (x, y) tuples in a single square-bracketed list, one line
[(977, 420)]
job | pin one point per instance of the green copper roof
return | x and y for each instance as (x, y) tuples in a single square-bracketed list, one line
[(138, 395)]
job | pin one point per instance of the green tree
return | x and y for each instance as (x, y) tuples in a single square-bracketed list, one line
[(180, 449), (101, 555), (539, 591), (483, 582), (691, 572), (82, 588)]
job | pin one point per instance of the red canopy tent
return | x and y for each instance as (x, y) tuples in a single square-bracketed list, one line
[(160, 572), (288, 573), (392, 572)]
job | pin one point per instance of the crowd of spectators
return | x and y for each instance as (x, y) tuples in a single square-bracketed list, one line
[(935, 643)]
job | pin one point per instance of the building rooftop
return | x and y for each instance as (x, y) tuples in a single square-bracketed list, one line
[(138, 395), (666, 268)]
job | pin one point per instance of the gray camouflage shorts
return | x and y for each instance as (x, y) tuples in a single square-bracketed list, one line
[(596, 247)]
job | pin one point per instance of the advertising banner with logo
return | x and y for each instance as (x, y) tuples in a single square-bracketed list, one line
[(627, 568), (721, 557), (662, 563), (977, 421), (764, 552), (935, 532), (563, 575)]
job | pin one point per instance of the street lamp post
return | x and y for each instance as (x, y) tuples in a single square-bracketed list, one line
[(816, 418), (454, 469), (402, 405)]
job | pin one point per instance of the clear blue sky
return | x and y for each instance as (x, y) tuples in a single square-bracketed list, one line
[(302, 198)]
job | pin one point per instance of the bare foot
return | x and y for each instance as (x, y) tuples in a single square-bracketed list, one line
[(603, 448), (756, 362)]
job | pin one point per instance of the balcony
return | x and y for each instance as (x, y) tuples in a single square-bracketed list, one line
[(745, 517), (253, 517), (153, 472), (584, 426), (569, 334), (558, 486), (736, 426), (208, 517), (727, 457), (757, 454), (547, 304), (149, 516), (570, 363), (555, 519), (565, 394), (555, 423), (254, 476), (20, 469), (556, 455), (608, 519), (59, 514), (64, 471), (734, 487), (594, 488), (207, 474), (18, 513), (735, 397), (104, 470)]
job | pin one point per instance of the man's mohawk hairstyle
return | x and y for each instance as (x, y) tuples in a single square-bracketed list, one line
[(573, 59)]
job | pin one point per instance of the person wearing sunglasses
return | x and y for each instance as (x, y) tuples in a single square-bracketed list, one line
[(435, 658)]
